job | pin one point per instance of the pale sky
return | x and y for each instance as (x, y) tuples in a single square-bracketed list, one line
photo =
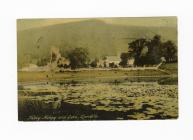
[(23, 24)]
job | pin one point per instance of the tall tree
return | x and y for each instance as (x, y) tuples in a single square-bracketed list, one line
[(150, 52), (135, 50), (169, 51), (124, 59), (94, 63), (78, 58), (154, 50)]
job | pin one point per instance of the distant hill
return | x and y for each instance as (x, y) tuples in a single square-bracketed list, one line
[(97, 36)]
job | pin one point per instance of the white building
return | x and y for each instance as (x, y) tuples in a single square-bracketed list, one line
[(109, 59), (130, 62)]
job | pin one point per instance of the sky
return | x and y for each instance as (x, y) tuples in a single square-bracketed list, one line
[(23, 24)]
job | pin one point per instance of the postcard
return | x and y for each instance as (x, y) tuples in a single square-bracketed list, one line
[(74, 69)]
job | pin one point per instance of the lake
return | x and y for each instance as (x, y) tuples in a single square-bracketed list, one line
[(128, 98)]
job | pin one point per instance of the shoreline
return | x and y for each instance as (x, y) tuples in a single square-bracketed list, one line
[(166, 70)]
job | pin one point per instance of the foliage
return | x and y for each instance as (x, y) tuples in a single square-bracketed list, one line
[(124, 59), (154, 51), (169, 51), (112, 65), (78, 58), (136, 48), (149, 52), (94, 63)]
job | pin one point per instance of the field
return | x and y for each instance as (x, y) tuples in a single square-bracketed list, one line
[(98, 95)]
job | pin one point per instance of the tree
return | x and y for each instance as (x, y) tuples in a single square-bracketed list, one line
[(112, 65), (150, 52), (169, 51), (154, 50), (135, 50), (105, 64), (78, 58), (94, 63), (124, 59)]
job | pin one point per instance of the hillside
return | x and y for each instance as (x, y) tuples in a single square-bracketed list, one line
[(97, 36)]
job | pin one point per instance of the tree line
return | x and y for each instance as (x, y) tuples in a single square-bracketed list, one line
[(149, 52), (145, 52)]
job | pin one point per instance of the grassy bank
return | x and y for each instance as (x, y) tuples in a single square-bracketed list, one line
[(170, 67), (50, 76)]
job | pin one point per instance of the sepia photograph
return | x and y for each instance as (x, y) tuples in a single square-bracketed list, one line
[(113, 68)]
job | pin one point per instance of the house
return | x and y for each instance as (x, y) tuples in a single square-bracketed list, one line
[(115, 60), (101, 64), (108, 61), (130, 62)]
